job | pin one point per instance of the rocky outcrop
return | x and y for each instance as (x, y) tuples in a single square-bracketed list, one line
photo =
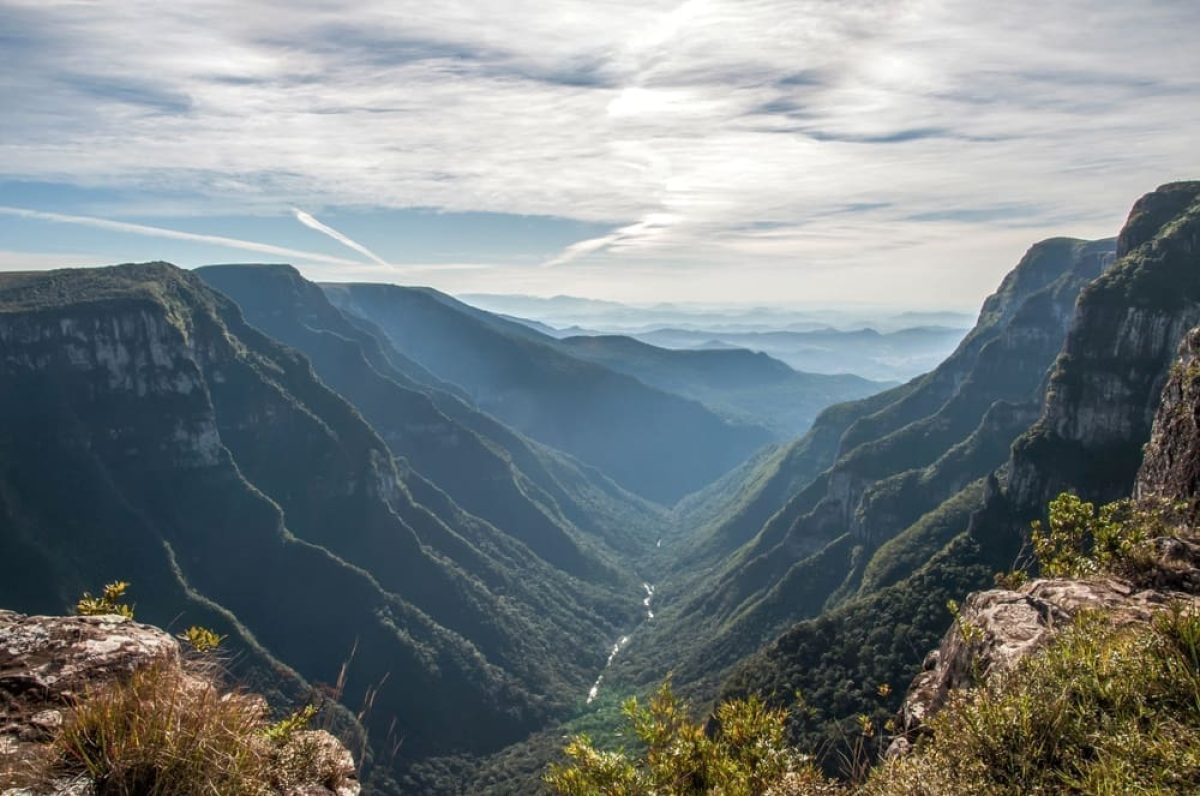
[(49, 665), (1171, 464), (997, 629)]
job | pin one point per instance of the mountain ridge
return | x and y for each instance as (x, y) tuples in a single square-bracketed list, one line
[(669, 447)]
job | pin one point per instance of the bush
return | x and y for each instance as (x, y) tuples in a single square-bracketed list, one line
[(1081, 541), (166, 732), (201, 639), (745, 755), (109, 602)]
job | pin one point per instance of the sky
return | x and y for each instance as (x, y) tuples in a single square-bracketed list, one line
[(889, 152)]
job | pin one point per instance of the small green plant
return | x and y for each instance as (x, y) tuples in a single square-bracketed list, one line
[(1011, 580), (109, 602), (201, 639), (283, 730), (970, 632)]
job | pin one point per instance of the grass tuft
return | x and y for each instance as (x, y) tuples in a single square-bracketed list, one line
[(164, 731)]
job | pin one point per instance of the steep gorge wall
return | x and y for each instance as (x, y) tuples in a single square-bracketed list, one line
[(1106, 384)]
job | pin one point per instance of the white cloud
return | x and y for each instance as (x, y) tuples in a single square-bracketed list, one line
[(787, 138)]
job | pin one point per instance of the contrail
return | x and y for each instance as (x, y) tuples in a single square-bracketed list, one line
[(307, 220), (650, 224), (162, 232), (581, 249)]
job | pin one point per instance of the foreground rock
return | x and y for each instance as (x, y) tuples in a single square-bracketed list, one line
[(998, 629), (48, 664)]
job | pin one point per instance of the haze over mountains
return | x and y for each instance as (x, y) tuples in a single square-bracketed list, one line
[(881, 344), (501, 533)]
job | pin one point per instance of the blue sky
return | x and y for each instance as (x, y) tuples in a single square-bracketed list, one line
[(899, 152)]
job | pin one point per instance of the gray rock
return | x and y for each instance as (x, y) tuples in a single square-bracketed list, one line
[(1004, 627)]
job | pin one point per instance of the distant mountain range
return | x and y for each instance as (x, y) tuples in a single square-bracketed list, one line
[(611, 316), (738, 383), (637, 416), (886, 356), (888, 347)]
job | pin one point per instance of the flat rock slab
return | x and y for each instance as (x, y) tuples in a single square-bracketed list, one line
[(45, 661)]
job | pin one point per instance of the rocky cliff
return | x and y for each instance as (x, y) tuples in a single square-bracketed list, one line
[(52, 666), (1107, 382), (1171, 463), (1099, 400), (900, 464), (999, 628), (148, 432)]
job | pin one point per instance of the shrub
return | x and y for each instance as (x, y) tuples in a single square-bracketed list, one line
[(201, 639), (286, 728), (109, 602), (745, 755), (166, 732), (1081, 541)]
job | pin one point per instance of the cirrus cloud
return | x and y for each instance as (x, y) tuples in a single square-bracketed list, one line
[(788, 138)]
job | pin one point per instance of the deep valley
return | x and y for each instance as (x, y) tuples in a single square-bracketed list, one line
[(489, 537)]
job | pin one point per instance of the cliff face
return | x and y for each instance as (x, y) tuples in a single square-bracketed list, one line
[(898, 457), (1099, 399), (1042, 269), (1107, 382), (147, 432), (1004, 359), (1171, 464)]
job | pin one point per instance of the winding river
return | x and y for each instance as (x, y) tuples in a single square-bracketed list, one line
[(594, 691)]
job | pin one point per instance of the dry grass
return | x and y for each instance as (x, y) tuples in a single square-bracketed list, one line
[(164, 731)]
